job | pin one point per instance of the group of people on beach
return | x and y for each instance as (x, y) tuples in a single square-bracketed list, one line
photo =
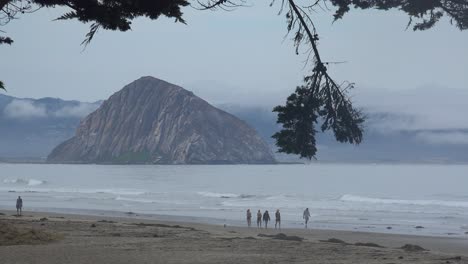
[(265, 217)]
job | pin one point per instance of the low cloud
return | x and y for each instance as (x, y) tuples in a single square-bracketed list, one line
[(430, 108), (389, 110), (80, 110), (444, 138), (24, 109)]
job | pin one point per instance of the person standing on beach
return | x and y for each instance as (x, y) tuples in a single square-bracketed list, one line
[(306, 216), (278, 218), (249, 218), (19, 206), (266, 218), (259, 219)]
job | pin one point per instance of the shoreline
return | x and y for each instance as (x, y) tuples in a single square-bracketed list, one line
[(434, 244), (212, 221)]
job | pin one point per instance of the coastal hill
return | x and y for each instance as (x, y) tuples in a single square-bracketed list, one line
[(151, 121), (31, 128)]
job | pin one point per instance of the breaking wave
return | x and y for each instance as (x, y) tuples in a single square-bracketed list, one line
[(127, 199), (33, 184), (218, 195), (29, 182), (225, 195), (363, 199)]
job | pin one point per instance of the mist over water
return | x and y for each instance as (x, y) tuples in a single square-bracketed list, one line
[(363, 197)]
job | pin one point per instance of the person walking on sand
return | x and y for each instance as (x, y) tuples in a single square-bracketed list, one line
[(259, 219), (278, 219), (249, 218), (266, 218), (19, 206), (306, 216)]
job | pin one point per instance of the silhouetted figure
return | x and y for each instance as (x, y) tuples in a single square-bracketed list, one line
[(259, 219), (249, 218), (306, 216), (277, 219), (266, 218), (19, 206)]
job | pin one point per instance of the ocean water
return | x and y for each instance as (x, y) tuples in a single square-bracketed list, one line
[(363, 197)]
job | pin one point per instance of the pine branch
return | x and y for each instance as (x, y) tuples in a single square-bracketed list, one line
[(320, 98)]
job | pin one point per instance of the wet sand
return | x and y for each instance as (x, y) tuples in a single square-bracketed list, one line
[(101, 239)]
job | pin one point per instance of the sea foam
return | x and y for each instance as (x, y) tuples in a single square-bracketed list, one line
[(20, 181), (218, 195), (363, 199)]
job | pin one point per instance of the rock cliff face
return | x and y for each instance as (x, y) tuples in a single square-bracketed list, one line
[(152, 121)]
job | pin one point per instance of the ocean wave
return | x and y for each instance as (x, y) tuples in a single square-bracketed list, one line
[(218, 195), (75, 191), (113, 191), (363, 199), (29, 182), (33, 182), (281, 197), (14, 181), (127, 199), (213, 208), (247, 196), (270, 201), (267, 203), (101, 191), (226, 195)]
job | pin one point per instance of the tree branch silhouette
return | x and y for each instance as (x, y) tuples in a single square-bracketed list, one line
[(318, 99)]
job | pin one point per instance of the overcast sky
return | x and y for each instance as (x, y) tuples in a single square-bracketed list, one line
[(234, 57)]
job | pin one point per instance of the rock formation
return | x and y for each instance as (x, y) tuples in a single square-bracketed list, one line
[(151, 121)]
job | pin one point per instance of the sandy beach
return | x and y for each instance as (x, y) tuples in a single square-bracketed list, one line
[(47, 238)]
